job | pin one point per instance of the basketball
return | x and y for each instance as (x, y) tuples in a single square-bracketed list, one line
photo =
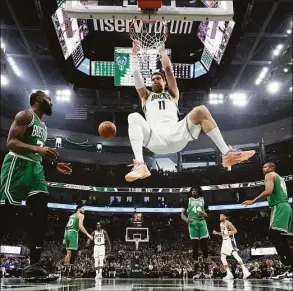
[(107, 129)]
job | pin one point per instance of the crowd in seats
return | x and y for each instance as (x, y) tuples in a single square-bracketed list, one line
[(168, 253)]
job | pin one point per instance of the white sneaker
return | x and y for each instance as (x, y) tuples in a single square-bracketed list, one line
[(229, 276), (139, 171), (246, 273), (282, 276)]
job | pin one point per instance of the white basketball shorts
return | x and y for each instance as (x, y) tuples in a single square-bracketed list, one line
[(228, 246), (174, 139), (99, 256)]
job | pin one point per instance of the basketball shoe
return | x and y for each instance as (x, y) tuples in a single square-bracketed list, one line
[(235, 156), (139, 171), (229, 276), (34, 271), (246, 273)]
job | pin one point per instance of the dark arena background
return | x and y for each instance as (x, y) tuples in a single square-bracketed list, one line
[(243, 76)]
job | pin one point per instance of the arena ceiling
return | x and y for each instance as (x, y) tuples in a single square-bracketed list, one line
[(30, 40)]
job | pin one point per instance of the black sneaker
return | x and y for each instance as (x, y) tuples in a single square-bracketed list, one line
[(34, 271)]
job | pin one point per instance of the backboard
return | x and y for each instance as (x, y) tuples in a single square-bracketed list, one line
[(134, 233), (170, 10)]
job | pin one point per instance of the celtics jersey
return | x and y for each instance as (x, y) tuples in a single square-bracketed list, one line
[(35, 134), (73, 223), (194, 205), (279, 194)]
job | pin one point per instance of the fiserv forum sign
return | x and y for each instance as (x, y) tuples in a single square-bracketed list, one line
[(122, 25)]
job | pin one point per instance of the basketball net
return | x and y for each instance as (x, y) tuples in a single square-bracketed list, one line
[(148, 35)]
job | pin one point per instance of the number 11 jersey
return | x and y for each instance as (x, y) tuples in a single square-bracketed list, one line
[(161, 111)]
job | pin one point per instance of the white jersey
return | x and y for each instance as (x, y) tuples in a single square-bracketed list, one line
[(229, 243), (99, 238), (161, 111)]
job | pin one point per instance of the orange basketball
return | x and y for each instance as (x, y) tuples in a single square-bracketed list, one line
[(107, 129)]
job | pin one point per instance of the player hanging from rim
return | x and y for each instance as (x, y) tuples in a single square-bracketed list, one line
[(100, 237), (281, 215), (74, 224), (194, 212), (161, 132), (22, 176), (229, 247)]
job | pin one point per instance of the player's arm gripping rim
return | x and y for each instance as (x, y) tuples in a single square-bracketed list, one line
[(81, 227), (108, 241), (139, 84), (171, 81), (16, 133), (269, 188)]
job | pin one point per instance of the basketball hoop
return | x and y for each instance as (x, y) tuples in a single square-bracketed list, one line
[(149, 34)]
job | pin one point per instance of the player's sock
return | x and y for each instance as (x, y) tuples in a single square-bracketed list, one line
[(97, 272), (217, 138), (136, 139)]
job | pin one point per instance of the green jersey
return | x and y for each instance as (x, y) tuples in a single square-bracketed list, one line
[(73, 222), (279, 194), (35, 134), (193, 206)]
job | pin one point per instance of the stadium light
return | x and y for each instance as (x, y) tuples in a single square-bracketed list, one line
[(99, 147), (286, 70), (4, 80), (290, 89), (289, 31), (273, 87), (14, 67), (63, 95), (278, 49), (238, 99), (261, 76), (2, 45), (258, 81), (58, 142), (216, 99)]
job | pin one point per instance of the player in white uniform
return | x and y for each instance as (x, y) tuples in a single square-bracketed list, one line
[(162, 132), (100, 237), (229, 246)]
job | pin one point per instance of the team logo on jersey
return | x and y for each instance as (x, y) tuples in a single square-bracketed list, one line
[(163, 95), (121, 61)]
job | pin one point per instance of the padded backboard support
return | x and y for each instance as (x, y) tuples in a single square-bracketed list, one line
[(91, 10)]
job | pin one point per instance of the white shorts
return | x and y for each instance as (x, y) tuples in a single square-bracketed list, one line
[(175, 139), (228, 246), (99, 255)]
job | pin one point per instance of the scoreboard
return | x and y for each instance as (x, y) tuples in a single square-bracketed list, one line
[(149, 63), (102, 68)]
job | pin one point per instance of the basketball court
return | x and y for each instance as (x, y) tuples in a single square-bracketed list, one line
[(147, 285)]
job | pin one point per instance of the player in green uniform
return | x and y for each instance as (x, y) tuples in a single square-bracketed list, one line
[(74, 224), (194, 212), (22, 174), (281, 214)]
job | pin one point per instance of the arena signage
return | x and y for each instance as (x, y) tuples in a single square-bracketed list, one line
[(160, 190), (122, 25)]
